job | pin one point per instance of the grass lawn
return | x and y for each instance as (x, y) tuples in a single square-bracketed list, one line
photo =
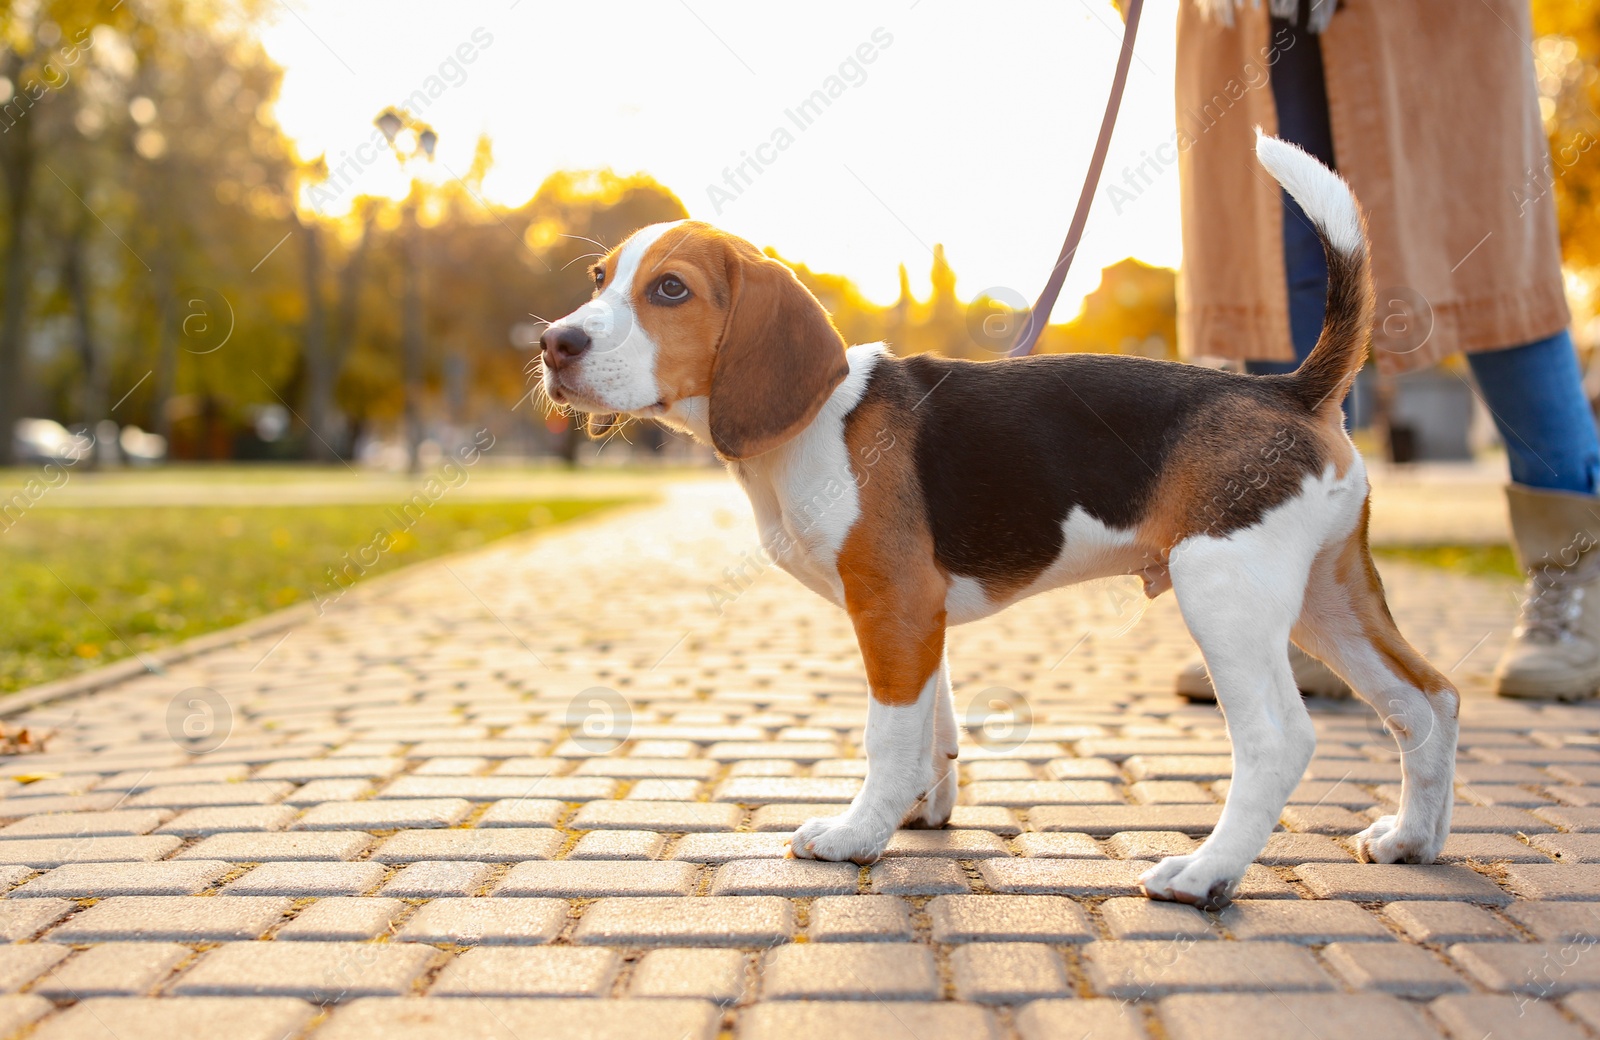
[(81, 586), (1482, 561)]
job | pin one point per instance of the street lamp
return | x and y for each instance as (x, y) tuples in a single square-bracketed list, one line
[(391, 122)]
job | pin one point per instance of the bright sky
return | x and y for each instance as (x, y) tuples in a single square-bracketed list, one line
[(971, 126)]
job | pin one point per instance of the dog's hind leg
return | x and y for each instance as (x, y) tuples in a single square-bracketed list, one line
[(1239, 596), (1347, 623)]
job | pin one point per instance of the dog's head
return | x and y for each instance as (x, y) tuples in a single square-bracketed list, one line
[(694, 325)]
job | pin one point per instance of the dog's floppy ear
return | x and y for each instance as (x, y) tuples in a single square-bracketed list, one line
[(779, 359)]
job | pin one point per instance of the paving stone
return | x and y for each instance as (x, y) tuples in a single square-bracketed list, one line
[(321, 972), (487, 922), (1582, 821), (1150, 845), (1139, 918), (1557, 921), (55, 852), (1405, 971), (1569, 848), (636, 768), (22, 919), (320, 791), (307, 879), (1472, 1016), (494, 1017), (153, 1018), (618, 845), (11, 876), (1063, 876), (996, 819), (1059, 845), (710, 921), (523, 812), (656, 790), (849, 971), (717, 975), (20, 965), (1489, 848), (98, 880), (1007, 972), (1008, 918), (301, 846), (1292, 1016), (17, 808), (1585, 1006), (1323, 819), (673, 817), (343, 919), (508, 971), (495, 788), (1170, 792), (18, 1010), (598, 878), (1102, 1019), (117, 969), (89, 824), (494, 845), (1309, 922), (432, 879), (1554, 881), (730, 846), (953, 844), (1142, 970), (1480, 819), (859, 919), (1179, 767), (1288, 849), (227, 818), (918, 877), (173, 918), (391, 814), (1104, 821), (300, 770), (1375, 882), (785, 1020), (1433, 922), (1536, 969), (194, 796), (784, 877), (753, 790)]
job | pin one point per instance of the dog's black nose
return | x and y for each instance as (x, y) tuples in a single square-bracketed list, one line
[(563, 344)]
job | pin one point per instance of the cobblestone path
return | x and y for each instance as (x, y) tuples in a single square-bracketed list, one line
[(543, 790)]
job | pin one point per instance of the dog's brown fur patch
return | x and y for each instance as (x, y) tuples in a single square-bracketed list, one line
[(894, 589)]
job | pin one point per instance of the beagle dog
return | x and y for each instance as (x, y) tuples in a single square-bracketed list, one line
[(923, 492)]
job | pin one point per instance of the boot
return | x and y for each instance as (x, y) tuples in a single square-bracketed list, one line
[(1312, 677), (1554, 653)]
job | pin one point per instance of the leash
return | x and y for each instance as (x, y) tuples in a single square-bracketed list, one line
[(1058, 274)]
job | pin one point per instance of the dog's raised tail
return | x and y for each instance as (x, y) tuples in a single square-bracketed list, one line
[(1325, 376)]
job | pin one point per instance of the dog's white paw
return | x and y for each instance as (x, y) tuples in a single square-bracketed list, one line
[(935, 808), (839, 839), (1195, 879), (1385, 842)]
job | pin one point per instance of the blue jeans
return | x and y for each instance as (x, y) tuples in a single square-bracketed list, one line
[(1534, 391)]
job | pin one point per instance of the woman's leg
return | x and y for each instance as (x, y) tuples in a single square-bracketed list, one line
[(1535, 393), (1301, 99)]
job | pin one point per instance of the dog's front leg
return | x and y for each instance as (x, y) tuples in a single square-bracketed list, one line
[(900, 778), (899, 623)]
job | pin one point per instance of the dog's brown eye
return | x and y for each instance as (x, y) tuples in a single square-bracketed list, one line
[(671, 290), (599, 273)]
